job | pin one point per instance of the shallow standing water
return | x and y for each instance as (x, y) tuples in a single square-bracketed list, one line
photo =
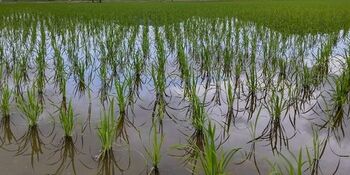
[(265, 69)]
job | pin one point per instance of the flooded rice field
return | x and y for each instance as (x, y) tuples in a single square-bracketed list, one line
[(201, 95)]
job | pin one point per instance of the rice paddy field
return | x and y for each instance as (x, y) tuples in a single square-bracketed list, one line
[(213, 88)]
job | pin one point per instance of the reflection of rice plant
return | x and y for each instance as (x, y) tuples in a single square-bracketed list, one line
[(66, 157), (32, 140), (31, 106), (7, 136)]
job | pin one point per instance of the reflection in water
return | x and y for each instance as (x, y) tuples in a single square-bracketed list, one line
[(31, 142), (7, 137), (108, 164), (66, 151)]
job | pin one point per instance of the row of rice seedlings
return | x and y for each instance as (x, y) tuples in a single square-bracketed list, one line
[(299, 164), (196, 140), (159, 80), (41, 64)]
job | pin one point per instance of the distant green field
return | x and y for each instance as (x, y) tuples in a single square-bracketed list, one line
[(285, 16)]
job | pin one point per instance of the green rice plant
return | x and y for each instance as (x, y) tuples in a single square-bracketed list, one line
[(17, 79), (230, 98), (212, 160), (228, 63), (67, 119), (121, 89), (104, 81), (184, 70), (155, 152), (315, 153), (339, 97), (274, 132), (198, 115), (31, 106), (6, 94), (289, 167), (307, 82), (145, 42), (79, 71), (107, 129), (59, 67), (159, 110), (139, 66)]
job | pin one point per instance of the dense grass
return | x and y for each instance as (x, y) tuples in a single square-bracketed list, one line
[(302, 17)]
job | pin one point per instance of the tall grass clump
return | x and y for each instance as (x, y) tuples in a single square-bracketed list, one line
[(155, 152)]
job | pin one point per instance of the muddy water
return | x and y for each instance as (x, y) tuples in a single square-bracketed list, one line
[(44, 150)]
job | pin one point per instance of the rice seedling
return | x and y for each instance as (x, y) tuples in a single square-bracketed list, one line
[(67, 119), (184, 70), (121, 89), (290, 168), (315, 153), (30, 106), (6, 94), (212, 160), (230, 98), (198, 117), (107, 130), (274, 132), (79, 70), (154, 153)]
